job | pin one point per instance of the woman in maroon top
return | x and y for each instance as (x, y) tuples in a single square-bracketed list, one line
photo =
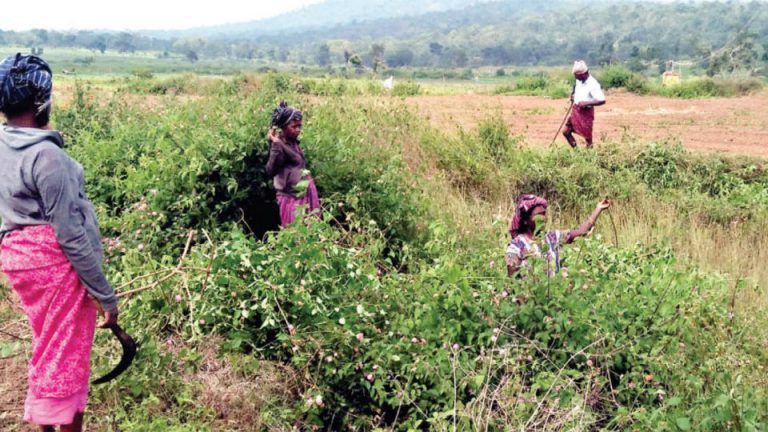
[(288, 166)]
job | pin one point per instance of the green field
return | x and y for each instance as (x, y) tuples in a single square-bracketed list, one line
[(113, 67), (394, 312), (88, 63)]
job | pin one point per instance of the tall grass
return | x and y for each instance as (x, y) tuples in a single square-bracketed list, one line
[(709, 208)]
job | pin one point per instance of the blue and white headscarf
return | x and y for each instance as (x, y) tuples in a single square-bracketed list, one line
[(25, 79)]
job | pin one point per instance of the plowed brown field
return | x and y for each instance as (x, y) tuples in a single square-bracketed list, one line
[(731, 125)]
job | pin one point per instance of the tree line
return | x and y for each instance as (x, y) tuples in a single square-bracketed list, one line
[(718, 36)]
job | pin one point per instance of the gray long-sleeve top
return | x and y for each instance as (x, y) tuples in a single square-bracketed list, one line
[(41, 185)]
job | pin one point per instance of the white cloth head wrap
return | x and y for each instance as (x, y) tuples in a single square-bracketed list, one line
[(580, 67)]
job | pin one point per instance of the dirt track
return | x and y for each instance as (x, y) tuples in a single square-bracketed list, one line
[(732, 125)]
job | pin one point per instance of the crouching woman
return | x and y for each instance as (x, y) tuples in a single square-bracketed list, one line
[(523, 246)]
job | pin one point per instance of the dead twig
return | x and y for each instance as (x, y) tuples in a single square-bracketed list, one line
[(18, 338), (10, 356), (190, 236), (210, 264), (172, 272), (615, 232), (138, 278)]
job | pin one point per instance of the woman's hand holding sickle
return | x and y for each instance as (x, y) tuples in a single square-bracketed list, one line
[(126, 342)]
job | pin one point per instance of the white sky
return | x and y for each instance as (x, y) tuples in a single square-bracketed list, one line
[(136, 14)]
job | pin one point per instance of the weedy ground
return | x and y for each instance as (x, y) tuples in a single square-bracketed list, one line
[(393, 312)]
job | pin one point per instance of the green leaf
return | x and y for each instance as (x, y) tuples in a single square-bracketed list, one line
[(8, 349), (683, 423), (477, 381), (722, 400), (674, 401)]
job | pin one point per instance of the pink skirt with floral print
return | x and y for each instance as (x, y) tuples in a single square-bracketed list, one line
[(62, 319), (289, 205)]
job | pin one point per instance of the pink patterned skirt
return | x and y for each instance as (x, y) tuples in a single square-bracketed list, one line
[(290, 204), (63, 322)]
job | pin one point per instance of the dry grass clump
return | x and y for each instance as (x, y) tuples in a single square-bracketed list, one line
[(239, 389)]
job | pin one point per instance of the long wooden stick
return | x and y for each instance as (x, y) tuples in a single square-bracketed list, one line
[(567, 113)]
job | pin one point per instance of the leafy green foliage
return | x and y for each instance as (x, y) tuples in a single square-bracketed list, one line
[(706, 87), (391, 315), (620, 77), (408, 88)]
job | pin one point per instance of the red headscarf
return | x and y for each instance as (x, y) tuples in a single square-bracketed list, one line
[(525, 205)]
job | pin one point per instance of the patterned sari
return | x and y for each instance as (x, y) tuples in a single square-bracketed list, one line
[(63, 322)]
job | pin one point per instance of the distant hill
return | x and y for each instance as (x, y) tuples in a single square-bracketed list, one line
[(641, 34), (323, 15), (354, 34)]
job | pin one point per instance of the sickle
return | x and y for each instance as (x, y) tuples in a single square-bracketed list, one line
[(129, 352)]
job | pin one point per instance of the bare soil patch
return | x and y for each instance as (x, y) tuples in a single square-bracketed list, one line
[(14, 332), (730, 125)]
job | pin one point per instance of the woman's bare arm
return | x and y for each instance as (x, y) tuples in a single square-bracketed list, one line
[(589, 223), (276, 156)]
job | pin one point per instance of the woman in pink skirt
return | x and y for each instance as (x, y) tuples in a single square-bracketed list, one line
[(50, 247), (287, 166)]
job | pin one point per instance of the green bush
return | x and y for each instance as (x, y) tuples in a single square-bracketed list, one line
[(328, 87), (145, 74), (708, 87), (536, 85), (318, 297), (615, 76), (531, 82), (142, 83), (659, 166), (741, 87), (279, 83), (503, 89), (689, 89), (637, 84), (464, 160), (390, 314), (408, 88), (467, 74), (495, 137), (559, 88)]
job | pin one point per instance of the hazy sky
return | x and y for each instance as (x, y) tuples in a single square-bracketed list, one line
[(136, 14)]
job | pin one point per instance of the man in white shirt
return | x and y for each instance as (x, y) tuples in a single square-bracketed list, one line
[(586, 95)]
